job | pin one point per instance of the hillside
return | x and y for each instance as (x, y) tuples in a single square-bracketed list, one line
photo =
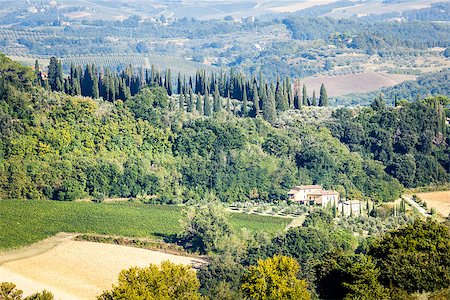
[(56, 146)]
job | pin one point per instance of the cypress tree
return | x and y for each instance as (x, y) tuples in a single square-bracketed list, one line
[(256, 108), (199, 104), (269, 107), (279, 98), (323, 98), (217, 105), (304, 96), (191, 100), (37, 74), (289, 94), (378, 103), (95, 93), (206, 104), (86, 87), (168, 82), (229, 103), (244, 103), (314, 99), (395, 101), (179, 89), (53, 73), (297, 102), (181, 101)]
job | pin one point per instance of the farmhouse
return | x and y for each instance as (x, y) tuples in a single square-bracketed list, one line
[(350, 208), (313, 195)]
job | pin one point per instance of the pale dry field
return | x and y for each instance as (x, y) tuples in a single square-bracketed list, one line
[(354, 83), (74, 269), (438, 200), (280, 8)]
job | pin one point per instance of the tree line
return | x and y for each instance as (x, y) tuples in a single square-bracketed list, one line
[(203, 93)]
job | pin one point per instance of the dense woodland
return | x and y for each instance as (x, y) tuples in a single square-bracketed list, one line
[(177, 148), (317, 260), (58, 144)]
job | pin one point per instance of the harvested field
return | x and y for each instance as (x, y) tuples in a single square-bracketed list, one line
[(73, 269), (438, 200), (354, 83)]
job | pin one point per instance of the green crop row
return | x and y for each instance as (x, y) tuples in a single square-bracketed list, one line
[(25, 222)]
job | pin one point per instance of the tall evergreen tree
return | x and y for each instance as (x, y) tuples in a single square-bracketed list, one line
[(55, 78), (297, 100), (179, 84), (229, 103), (217, 104), (37, 74), (269, 107), (191, 100), (87, 83), (244, 109), (95, 92), (181, 101), (199, 104), (304, 96), (206, 104), (323, 97), (314, 99), (256, 107)]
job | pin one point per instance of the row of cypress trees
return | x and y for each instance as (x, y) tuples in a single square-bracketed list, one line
[(256, 96)]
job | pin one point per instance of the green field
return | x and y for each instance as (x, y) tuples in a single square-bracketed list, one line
[(24, 222)]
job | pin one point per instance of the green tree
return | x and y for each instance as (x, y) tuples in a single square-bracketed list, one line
[(274, 278), (314, 99), (323, 97), (256, 108), (270, 112), (166, 282), (304, 96), (204, 227), (199, 104), (217, 104), (207, 104), (8, 291), (244, 110), (55, 77), (415, 257), (378, 104)]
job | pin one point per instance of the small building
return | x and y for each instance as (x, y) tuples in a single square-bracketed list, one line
[(350, 208), (313, 195)]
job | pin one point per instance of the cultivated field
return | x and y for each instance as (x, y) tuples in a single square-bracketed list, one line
[(73, 269), (26, 222), (438, 200), (354, 83), (378, 7)]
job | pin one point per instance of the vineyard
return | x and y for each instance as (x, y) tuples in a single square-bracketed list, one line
[(111, 61), (46, 218)]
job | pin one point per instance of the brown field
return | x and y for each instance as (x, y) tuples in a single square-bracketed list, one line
[(73, 269), (354, 83), (279, 7), (377, 7), (438, 200)]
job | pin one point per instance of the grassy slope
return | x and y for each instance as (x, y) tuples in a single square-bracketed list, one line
[(25, 222)]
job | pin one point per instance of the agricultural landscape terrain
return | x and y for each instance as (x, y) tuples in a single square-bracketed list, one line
[(225, 149)]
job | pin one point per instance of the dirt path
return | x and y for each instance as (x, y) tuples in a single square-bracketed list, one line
[(36, 248), (296, 222), (419, 208), (73, 269)]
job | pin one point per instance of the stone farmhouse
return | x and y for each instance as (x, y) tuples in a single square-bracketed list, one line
[(313, 195)]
